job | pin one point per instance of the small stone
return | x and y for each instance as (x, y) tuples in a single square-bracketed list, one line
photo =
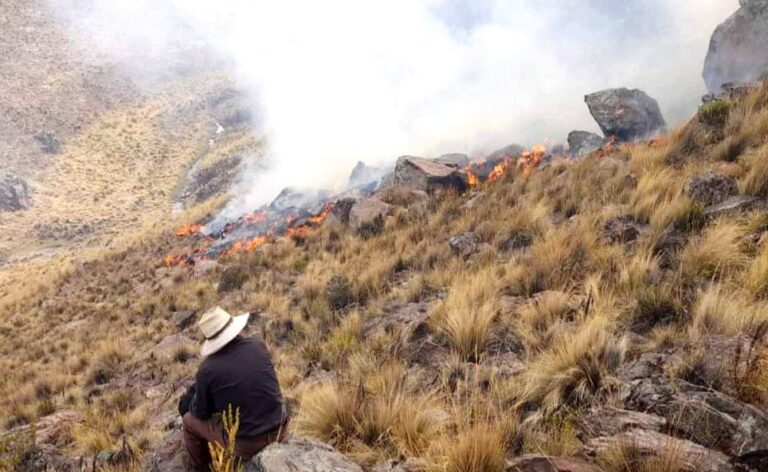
[(464, 244), (711, 188)]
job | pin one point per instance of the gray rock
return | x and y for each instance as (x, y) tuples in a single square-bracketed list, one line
[(367, 215), (428, 175), (48, 141), (733, 205), (300, 455), (170, 454), (541, 463), (581, 143), (689, 456), (621, 229), (340, 211), (628, 115), (711, 188), (703, 415), (456, 160), (738, 49), (465, 244), (14, 193), (407, 465), (609, 421)]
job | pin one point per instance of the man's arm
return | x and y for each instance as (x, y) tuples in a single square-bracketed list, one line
[(203, 406)]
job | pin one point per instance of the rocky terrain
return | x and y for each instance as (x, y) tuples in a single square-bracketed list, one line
[(597, 308)]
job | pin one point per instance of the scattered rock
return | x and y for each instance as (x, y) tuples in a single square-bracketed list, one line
[(609, 421), (428, 175), (642, 443), (465, 244), (517, 240), (367, 215), (300, 455), (711, 188), (456, 160), (738, 49), (172, 345), (736, 204), (540, 463), (621, 229), (627, 114), (473, 200), (581, 143), (184, 319), (170, 455), (53, 429), (49, 142), (14, 193), (402, 196), (407, 465), (205, 266)]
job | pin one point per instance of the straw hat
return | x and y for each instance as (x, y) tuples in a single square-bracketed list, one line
[(219, 328)]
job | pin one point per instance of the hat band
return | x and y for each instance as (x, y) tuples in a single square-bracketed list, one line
[(229, 322)]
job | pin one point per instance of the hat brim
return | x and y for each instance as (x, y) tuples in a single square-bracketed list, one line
[(229, 333)]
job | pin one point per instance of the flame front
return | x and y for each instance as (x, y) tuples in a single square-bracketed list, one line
[(189, 230)]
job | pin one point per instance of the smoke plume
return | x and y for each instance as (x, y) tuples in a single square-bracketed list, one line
[(339, 81)]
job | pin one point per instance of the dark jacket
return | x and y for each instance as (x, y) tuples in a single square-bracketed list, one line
[(241, 374)]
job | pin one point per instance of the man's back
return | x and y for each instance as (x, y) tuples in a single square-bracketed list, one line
[(242, 375)]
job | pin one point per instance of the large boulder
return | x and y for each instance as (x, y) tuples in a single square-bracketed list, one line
[(428, 175), (738, 50), (711, 188), (299, 455), (365, 176), (627, 114), (170, 454), (455, 159), (367, 215), (14, 193), (581, 143)]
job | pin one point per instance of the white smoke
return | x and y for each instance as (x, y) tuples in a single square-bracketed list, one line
[(337, 81)]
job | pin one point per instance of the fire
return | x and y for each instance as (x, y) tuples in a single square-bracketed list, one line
[(472, 178), (499, 170), (530, 159), (175, 259), (256, 217), (189, 230)]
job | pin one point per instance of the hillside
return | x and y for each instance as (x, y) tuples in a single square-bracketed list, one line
[(606, 311)]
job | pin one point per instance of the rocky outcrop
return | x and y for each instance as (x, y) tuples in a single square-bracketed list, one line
[(609, 421), (627, 114), (48, 141), (14, 193), (581, 143), (300, 455), (428, 175), (738, 49), (540, 463), (644, 444), (711, 188)]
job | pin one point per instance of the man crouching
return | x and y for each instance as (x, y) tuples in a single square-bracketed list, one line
[(237, 372)]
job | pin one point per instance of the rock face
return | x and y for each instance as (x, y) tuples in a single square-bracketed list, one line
[(456, 160), (14, 193), (626, 114), (299, 455), (428, 175), (581, 143), (736, 204), (711, 188), (365, 176), (738, 50)]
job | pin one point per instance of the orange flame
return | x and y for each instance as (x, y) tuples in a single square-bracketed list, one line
[(189, 230), (472, 179)]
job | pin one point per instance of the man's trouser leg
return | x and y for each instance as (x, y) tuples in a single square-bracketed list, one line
[(197, 434)]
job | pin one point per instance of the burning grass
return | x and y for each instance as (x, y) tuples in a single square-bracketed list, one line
[(440, 382)]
